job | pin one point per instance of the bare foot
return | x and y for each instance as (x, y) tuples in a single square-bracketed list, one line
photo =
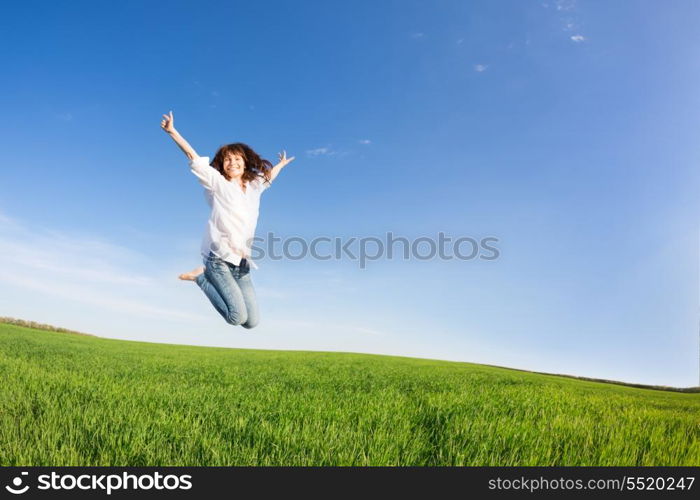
[(192, 275)]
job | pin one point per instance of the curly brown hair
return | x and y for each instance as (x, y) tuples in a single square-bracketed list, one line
[(254, 165)]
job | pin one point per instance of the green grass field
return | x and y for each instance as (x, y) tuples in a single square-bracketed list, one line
[(67, 399)]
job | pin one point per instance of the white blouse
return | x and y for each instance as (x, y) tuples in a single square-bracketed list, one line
[(234, 214)]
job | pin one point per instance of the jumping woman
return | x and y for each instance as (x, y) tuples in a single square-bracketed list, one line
[(233, 183)]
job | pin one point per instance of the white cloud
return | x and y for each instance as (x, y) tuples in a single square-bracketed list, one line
[(69, 290), (479, 68), (365, 141), (81, 269), (320, 152), (368, 331), (29, 257), (566, 15), (417, 35), (565, 4), (578, 38)]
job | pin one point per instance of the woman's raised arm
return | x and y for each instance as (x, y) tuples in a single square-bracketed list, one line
[(282, 163), (168, 124)]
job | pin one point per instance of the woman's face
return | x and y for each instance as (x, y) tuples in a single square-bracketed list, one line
[(234, 165)]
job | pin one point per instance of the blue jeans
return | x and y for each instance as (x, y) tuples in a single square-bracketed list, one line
[(230, 290)]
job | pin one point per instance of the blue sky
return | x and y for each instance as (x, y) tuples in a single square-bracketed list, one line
[(566, 129)]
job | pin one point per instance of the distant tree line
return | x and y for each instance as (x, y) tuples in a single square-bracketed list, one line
[(38, 326)]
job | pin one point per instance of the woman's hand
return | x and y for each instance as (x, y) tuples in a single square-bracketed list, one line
[(283, 159), (168, 123)]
